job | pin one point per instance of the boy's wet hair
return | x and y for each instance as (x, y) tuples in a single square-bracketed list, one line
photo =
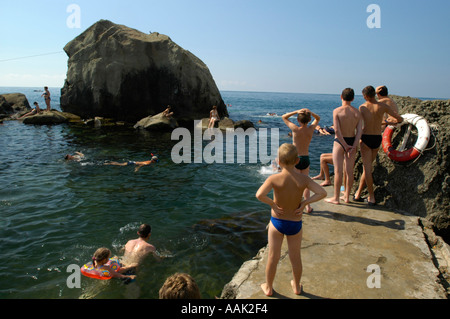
[(287, 154), (180, 286), (348, 95), (144, 230), (304, 117), (369, 91)]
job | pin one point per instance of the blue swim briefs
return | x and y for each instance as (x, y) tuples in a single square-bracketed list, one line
[(287, 227)]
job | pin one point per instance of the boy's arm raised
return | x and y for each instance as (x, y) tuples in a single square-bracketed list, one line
[(286, 117), (316, 120)]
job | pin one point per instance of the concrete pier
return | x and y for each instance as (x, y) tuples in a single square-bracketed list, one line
[(353, 251)]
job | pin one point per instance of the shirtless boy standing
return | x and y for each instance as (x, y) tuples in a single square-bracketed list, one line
[(383, 97), (347, 122), (373, 113), (137, 249), (301, 137), (286, 214)]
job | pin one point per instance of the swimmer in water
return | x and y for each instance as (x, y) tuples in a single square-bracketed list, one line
[(77, 157), (137, 164), (137, 249), (101, 258)]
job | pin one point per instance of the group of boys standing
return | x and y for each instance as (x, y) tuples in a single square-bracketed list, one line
[(353, 128)]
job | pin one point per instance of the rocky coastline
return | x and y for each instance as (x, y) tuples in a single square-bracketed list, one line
[(422, 186)]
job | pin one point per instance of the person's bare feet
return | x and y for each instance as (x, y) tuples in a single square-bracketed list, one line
[(332, 201), (267, 291), (297, 289), (320, 177), (326, 183), (345, 200)]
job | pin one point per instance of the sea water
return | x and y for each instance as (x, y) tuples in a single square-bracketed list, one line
[(205, 218)]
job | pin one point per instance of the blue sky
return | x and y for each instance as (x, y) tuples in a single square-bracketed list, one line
[(319, 46)]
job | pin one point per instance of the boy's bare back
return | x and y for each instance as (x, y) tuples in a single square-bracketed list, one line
[(288, 188), (373, 115), (347, 119), (301, 137)]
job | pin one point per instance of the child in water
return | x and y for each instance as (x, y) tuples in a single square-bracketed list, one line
[(101, 258), (286, 215)]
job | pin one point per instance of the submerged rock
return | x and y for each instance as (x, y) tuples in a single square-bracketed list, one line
[(118, 72)]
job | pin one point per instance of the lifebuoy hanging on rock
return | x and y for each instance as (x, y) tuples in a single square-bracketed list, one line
[(422, 141)]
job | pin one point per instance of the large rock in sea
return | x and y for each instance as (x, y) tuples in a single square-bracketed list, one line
[(13, 103), (419, 187), (118, 72)]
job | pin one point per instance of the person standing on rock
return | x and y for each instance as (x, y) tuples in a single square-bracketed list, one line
[(347, 121), (373, 113), (47, 98), (213, 117), (302, 136)]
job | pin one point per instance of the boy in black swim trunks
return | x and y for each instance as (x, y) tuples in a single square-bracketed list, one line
[(373, 113), (348, 127), (301, 136)]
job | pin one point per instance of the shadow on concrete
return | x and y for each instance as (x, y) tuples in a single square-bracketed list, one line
[(304, 294), (397, 224)]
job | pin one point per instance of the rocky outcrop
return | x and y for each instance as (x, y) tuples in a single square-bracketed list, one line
[(14, 103), (420, 187), (121, 73), (51, 117), (159, 122), (227, 123)]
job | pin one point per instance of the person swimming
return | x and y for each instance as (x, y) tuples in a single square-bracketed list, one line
[(138, 165)]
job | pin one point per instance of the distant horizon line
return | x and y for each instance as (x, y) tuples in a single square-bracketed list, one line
[(245, 91)]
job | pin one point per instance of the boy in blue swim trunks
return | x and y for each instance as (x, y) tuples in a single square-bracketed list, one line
[(286, 215), (301, 137)]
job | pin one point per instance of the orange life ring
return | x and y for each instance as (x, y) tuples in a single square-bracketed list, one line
[(414, 152), (101, 273)]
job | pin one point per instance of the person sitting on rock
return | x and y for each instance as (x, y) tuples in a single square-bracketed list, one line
[(34, 111), (213, 117), (137, 164)]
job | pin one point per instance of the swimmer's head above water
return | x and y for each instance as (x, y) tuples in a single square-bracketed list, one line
[(155, 158)]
